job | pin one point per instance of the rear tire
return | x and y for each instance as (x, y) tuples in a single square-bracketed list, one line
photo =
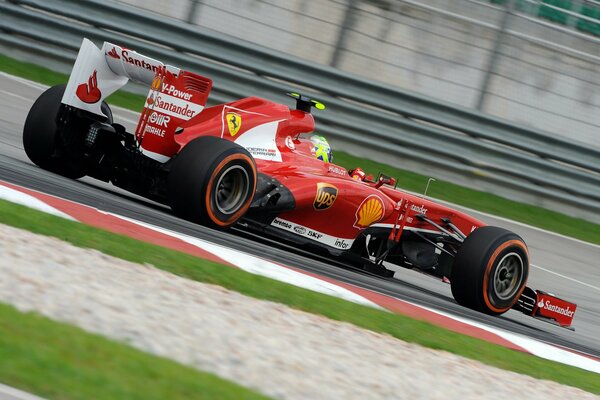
[(40, 135), (490, 270), (212, 182)]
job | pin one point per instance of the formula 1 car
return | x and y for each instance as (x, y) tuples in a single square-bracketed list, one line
[(251, 163)]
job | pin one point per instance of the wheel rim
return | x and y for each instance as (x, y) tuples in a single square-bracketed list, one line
[(231, 190), (508, 276)]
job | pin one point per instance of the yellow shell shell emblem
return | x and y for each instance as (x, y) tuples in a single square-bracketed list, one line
[(234, 123), (370, 211), (156, 83)]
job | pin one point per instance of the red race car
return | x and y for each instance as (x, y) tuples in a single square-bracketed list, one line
[(258, 163)]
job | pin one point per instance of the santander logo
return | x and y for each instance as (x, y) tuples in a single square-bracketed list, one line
[(113, 54), (557, 309), (89, 92)]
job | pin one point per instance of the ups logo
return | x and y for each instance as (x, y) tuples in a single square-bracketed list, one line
[(326, 195)]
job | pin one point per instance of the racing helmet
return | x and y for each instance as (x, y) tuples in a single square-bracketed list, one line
[(321, 148)]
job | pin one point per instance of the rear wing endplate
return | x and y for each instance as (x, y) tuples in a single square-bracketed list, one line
[(98, 73), (175, 96)]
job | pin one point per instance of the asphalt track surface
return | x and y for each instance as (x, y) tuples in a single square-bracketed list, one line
[(563, 266)]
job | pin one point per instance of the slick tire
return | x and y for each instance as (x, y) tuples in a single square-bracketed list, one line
[(212, 182), (40, 135), (490, 270)]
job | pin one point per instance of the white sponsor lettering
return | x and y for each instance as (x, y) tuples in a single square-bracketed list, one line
[(154, 131), (159, 119), (175, 107), (173, 91), (337, 170), (328, 240), (557, 309), (420, 209)]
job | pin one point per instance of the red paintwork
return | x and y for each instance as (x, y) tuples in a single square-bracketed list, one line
[(185, 92), (550, 306), (300, 171)]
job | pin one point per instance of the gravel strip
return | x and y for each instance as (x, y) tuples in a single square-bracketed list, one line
[(269, 347)]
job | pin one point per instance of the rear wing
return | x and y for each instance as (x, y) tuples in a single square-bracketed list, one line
[(174, 96)]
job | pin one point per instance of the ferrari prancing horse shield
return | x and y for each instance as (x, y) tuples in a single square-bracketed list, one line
[(234, 123)]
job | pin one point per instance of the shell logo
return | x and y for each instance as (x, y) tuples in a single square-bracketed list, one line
[(156, 82), (370, 211)]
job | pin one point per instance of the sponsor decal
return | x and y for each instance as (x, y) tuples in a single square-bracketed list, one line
[(281, 223), (172, 90), (154, 131), (371, 210), (156, 83), (289, 142), (234, 122), (554, 308), (159, 119), (113, 53), (325, 197), (262, 152), (419, 210), (174, 106), (337, 170), (141, 63), (259, 140), (89, 92), (327, 240), (315, 235), (300, 230), (342, 244)]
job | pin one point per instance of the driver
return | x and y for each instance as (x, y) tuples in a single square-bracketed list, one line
[(321, 149)]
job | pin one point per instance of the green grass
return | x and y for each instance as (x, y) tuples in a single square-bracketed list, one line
[(59, 361), (399, 326), (532, 215)]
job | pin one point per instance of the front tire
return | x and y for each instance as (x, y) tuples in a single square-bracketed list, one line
[(212, 182), (490, 270)]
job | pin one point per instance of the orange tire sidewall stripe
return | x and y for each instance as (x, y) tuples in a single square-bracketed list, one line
[(488, 269), (216, 171)]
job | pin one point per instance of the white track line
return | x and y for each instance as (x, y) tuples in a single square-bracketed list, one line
[(566, 277), (26, 200), (10, 393), (15, 95), (259, 266), (24, 81), (535, 228)]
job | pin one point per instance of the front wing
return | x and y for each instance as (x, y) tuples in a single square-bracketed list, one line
[(546, 307)]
